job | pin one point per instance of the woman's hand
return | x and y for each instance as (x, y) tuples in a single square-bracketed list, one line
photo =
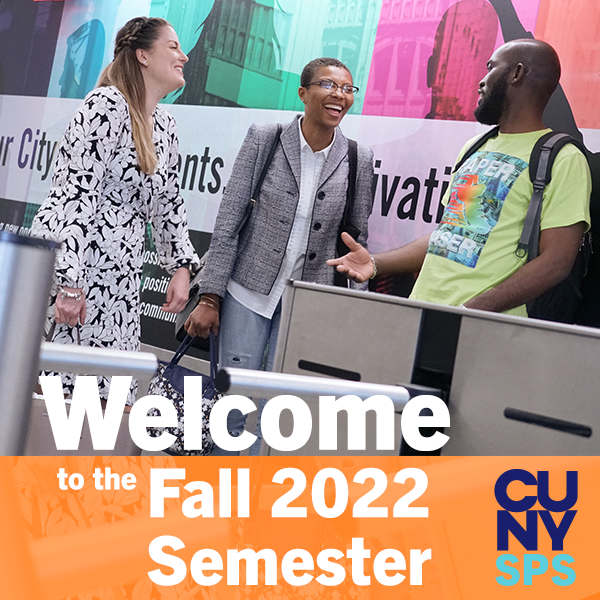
[(178, 291), (70, 310), (205, 317), (356, 264)]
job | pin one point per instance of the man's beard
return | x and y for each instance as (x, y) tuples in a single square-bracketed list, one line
[(489, 110)]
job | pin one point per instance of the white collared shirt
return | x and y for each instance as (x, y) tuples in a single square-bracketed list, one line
[(295, 253)]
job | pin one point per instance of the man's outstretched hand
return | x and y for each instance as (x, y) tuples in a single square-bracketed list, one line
[(356, 265)]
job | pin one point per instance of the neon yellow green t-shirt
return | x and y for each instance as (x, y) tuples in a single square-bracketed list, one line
[(473, 248)]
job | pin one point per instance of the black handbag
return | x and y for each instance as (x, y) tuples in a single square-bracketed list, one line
[(168, 382)]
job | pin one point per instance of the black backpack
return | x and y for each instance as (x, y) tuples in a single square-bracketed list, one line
[(560, 303)]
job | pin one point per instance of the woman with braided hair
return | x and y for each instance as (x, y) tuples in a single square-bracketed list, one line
[(116, 171)]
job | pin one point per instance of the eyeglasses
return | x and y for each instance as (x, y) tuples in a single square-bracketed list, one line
[(329, 85)]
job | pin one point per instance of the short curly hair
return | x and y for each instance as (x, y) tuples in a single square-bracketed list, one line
[(308, 73)]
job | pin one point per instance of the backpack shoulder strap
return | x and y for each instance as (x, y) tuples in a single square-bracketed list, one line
[(480, 141), (544, 152), (540, 172), (267, 164), (259, 182), (352, 170)]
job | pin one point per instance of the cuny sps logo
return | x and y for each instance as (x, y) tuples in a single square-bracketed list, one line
[(555, 516)]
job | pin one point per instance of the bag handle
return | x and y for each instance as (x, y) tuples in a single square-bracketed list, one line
[(257, 188), (187, 344), (183, 348), (212, 344)]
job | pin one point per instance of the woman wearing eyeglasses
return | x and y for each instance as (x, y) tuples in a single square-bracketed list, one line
[(293, 227)]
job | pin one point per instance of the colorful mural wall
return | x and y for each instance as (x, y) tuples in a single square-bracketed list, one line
[(417, 64)]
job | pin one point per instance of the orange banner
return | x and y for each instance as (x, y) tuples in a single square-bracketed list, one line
[(154, 528)]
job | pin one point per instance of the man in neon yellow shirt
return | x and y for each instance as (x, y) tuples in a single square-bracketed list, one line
[(470, 258)]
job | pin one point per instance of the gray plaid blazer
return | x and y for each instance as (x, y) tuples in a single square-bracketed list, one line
[(253, 258)]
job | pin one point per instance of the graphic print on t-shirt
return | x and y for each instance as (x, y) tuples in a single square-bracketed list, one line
[(478, 193)]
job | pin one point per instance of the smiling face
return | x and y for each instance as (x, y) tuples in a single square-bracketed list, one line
[(162, 65), (326, 108)]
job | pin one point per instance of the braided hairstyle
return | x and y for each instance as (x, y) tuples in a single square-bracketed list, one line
[(125, 73)]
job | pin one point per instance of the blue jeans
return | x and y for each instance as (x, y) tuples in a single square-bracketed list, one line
[(244, 338)]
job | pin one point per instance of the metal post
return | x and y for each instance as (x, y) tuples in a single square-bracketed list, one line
[(26, 267)]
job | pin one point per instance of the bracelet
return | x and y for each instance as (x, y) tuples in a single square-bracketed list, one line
[(208, 301), (206, 298), (374, 267), (213, 306), (74, 295)]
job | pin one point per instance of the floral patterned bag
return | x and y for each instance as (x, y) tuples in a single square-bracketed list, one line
[(168, 382)]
